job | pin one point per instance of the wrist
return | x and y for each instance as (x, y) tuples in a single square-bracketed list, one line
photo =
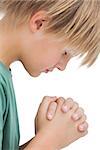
[(44, 141), (41, 141)]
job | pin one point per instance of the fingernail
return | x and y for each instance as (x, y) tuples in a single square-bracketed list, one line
[(65, 108), (82, 127), (49, 116), (75, 117)]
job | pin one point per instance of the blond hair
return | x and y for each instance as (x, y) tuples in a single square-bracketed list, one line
[(76, 21)]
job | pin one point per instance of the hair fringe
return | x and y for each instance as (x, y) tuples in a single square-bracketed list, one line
[(75, 21)]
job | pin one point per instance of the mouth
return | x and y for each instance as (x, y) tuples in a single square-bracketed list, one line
[(47, 70)]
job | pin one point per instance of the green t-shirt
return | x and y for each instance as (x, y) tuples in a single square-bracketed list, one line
[(9, 124)]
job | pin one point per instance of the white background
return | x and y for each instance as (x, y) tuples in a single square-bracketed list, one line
[(82, 84)]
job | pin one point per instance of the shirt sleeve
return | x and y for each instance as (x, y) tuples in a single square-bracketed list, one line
[(2, 110)]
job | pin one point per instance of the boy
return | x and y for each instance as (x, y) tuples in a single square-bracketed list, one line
[(43, 35)]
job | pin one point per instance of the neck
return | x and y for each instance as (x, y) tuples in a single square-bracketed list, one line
[(8, 46)]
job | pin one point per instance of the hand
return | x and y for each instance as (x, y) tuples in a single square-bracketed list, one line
[(62, 130), (47, 100), (65, 107)]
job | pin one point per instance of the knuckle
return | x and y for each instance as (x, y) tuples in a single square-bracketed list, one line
[(76, 105), (81, 109), (71, 105), (69, 99), (61, 100), (45, 98), (84, 117), (65, 103), (86, 124)]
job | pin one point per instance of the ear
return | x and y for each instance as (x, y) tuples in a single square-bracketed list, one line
[(38, 21)]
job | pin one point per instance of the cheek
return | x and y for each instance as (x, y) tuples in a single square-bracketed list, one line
[(50, 61), (41, 55)]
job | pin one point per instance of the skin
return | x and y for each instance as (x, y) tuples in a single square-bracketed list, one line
[(36, 50), (62, 130)]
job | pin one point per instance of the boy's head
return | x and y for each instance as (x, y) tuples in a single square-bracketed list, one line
[(50, 32)]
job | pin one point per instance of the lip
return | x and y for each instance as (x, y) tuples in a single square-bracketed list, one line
[(47, 70)]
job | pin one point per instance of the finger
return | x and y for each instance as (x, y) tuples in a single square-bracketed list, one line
[(60, 102), (51, 110), (67, 105), (83, 127), (47, 100), (81, 120), (45, 103), (82, 134), (78, 114), (75, 107)]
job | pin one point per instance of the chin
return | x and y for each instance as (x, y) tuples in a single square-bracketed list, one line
[(34, 74)]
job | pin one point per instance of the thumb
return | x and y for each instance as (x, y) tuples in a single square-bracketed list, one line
[(45, 103)]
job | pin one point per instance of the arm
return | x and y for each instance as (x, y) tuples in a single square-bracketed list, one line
[(40, 142)]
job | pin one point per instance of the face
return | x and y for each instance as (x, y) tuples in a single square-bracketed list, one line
[(42, 52)]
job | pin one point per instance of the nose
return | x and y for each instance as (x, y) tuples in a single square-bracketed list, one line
[(61, 67), (62, 64)]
